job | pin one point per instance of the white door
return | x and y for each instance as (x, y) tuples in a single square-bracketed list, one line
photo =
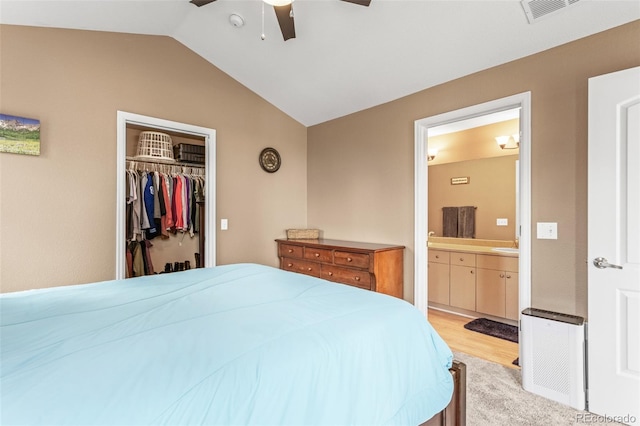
[(614, 246)]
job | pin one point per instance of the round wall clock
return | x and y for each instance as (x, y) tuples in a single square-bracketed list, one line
[(270, 160)]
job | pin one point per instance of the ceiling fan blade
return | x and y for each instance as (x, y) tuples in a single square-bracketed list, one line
[(360, 2), (201, 3), (285, 19)]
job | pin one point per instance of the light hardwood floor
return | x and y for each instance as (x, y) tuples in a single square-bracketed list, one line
[(451, 329)]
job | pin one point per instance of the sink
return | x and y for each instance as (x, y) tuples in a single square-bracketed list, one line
[(506, 249)]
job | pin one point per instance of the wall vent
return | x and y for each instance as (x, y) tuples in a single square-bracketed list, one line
[(538, 9)]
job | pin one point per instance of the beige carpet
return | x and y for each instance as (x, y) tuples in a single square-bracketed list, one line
[(495, 398)]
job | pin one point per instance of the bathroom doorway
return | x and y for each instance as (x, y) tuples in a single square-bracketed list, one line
[(423, 129)]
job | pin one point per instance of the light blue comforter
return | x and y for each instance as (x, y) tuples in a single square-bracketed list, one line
[(230, 345)]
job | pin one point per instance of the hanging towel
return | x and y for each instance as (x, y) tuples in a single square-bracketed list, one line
[(450, 222), (466, 222)]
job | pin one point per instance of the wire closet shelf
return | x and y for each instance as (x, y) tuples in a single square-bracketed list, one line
[(134, 163)]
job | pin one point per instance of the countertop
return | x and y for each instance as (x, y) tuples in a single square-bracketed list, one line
[(465, 248)]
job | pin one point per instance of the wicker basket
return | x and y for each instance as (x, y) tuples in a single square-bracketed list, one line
[(155, 145), (303, 234)]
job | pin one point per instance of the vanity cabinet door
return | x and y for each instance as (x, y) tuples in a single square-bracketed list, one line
[(490, 292), (512, 310), (439, 283), (462, 292)]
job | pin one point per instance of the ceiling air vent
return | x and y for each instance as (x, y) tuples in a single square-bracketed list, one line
[(537, 9)]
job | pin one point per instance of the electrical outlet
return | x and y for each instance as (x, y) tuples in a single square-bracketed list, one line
[(547, 230), (502, 222)]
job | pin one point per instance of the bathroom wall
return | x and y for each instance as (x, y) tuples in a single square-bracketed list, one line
[(491, 188)]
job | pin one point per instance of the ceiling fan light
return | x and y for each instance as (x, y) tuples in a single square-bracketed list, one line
[(278, 2)]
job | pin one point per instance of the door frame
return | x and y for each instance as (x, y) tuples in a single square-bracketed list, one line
[(209, 136), (421, 128)]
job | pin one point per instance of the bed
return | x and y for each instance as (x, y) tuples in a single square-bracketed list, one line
[(229, 345)]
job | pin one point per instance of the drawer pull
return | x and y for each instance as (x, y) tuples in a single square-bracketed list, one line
[(309, 268), (330, 274), (437, 256), (289, 265), (317, 254), (462, 259), (290, 250), (349, 259), (471, 271), (357, 278), (508, 276)]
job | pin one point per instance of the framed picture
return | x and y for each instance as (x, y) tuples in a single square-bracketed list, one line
[(460, 180), (19, 135)]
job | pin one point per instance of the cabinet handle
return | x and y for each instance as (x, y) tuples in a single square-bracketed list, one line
[(290, 250), (289, 265), (308, 269), (357, 278), (437, 257), (462, 259), (330, 274), (349, 259), (508, 276), (501, 275), (471, 271), (317, 254)]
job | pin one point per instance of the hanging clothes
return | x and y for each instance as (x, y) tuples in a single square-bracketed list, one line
[(158, 202)]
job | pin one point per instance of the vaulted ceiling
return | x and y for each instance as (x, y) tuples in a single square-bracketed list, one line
[(345, 57)]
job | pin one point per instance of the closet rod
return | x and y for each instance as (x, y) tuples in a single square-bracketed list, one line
[(163, 167), (165, 163)]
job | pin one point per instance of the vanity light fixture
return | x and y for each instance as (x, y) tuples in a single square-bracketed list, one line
[(278, 2), (431, 153), (508, 142)]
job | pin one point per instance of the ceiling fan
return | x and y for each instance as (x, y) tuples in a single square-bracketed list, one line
[(284, 13)]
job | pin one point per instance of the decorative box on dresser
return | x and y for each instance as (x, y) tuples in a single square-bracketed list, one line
[(375, 267)]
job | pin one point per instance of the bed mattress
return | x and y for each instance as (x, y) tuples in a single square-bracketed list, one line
[(229, 345)]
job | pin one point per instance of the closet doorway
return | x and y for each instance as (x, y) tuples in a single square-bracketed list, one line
[(129, 124), (422, 126)]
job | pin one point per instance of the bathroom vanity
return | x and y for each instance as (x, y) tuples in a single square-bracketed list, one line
[(474, 279)]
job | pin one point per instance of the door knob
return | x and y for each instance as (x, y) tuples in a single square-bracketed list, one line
[(601, 263)]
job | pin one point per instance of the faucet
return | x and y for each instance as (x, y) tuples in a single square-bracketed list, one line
[(431, 234), (516, 243)]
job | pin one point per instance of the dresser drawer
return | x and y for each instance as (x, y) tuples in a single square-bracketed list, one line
[(301, 266), (352, 277), (356, 260), (463, 259), (438, 256), (290, 250), (321, 255)]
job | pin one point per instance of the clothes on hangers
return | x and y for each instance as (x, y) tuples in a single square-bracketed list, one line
[(158, 203)]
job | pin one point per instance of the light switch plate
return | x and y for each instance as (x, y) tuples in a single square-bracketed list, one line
[(547, 230), (502, 222), (224, 224)]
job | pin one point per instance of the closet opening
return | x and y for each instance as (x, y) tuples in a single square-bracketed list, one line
[(166, 196)]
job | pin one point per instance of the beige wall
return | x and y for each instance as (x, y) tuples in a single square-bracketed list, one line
[(360, 167), (474, 143), (57, 213), (491, 188)]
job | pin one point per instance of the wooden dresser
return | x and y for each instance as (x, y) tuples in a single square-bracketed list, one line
[(375, 267)]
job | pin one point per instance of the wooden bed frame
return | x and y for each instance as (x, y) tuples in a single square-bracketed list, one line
[(454, 414)]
